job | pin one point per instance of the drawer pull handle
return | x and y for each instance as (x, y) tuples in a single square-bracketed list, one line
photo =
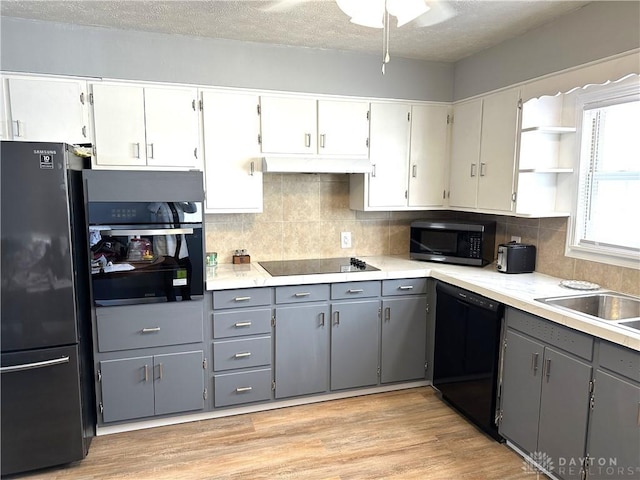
[(322, 319), (151, 330), (534, 363), (160, 371), (146, 373), (242, 324), (302, 294), (405, 287), (639, 414), (243, 389), (336, 316), (242, 299), (387, 313), (242, 355), (548, 369), (355, 290)]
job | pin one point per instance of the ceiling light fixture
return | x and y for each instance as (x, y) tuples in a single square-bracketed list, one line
[(375, 14)]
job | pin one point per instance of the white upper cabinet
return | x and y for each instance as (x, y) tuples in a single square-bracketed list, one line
[(46, 110), (288, 125), (483, 152), (233, 176), (171, 121), (408, 153), (149, 127), (465, 154), (389, 153), (306, 126), (343, 128), (428, 155)]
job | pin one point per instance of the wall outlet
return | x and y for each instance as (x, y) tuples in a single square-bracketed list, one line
[(516, 239), (345, 239)]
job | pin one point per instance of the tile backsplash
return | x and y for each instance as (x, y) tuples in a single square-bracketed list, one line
[(304, 214)]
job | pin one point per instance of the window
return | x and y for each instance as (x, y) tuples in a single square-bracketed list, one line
[(606, 226)]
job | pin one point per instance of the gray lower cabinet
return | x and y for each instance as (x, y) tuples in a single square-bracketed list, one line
[(301, 349), (152, 385), (545, 392), (242, 346), (404, 330), (355, 342), (613, 446)]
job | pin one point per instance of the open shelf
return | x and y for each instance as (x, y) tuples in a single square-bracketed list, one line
[(554, 130)]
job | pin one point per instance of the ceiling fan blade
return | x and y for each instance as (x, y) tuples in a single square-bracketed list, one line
[(280, 5), (439, 11)]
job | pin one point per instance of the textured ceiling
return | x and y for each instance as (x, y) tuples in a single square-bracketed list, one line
[(477, 25)]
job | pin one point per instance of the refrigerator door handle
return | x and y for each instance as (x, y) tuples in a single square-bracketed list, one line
[(30, 366)]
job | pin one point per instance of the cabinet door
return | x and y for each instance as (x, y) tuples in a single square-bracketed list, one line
[(564, 407), (289, 125), (389, 154), (233, 173), (498, 150), (428, 155), (118, 119), (127, 388), (302, 350), (179, 382), (171, 122), (521, 383), (404, 339), (614, 431), (4, 123), (465, 154), (48, 110), (354, 344), (343, 128)]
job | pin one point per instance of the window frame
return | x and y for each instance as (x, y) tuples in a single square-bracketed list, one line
[(597, 97)]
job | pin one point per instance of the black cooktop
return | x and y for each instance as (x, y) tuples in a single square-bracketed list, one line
[(279, 268)]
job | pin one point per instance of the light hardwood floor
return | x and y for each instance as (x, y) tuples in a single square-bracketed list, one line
[(408, 434)]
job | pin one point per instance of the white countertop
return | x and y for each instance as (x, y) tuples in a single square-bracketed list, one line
[(519, 291)]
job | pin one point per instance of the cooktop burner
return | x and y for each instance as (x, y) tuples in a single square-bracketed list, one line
[(279, 268)]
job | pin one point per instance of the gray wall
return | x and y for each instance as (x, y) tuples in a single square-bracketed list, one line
[(55, 48), (598, 30)]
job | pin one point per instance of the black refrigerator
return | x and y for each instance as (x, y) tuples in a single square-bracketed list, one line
[(47, 409)]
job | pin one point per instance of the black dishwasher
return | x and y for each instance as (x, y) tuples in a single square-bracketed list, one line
[(467, 346)]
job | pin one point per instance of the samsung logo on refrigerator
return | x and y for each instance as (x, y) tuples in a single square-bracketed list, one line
[(45, 152)]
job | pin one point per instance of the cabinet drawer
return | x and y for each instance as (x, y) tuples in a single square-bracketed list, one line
[(142, 326), (245, 321), (302, 293), (572, 341), (620, 359), (245, 297), (355, 289), (243, 387), (241, 353), (406, 286)]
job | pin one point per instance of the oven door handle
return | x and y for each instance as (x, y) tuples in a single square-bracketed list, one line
[(147, 232)]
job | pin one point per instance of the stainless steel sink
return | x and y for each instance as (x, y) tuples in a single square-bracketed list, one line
[(608, 306)]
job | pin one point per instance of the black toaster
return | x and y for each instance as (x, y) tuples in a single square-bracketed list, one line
[(516, 258)]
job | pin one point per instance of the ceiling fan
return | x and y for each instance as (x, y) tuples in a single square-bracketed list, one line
[(377, 13)]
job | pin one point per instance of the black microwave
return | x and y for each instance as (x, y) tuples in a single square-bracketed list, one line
[(452, 241)]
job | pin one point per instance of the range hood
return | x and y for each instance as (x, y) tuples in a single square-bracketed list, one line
[(315, 165)]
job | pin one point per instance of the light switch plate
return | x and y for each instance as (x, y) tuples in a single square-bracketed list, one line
[(345, 239)]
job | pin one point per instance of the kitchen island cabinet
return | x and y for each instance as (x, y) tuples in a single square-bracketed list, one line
[(545, 391)]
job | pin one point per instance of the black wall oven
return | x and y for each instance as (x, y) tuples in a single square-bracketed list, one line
[(145, 236)]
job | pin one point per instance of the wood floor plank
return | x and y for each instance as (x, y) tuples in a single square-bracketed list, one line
[(402, 435)]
